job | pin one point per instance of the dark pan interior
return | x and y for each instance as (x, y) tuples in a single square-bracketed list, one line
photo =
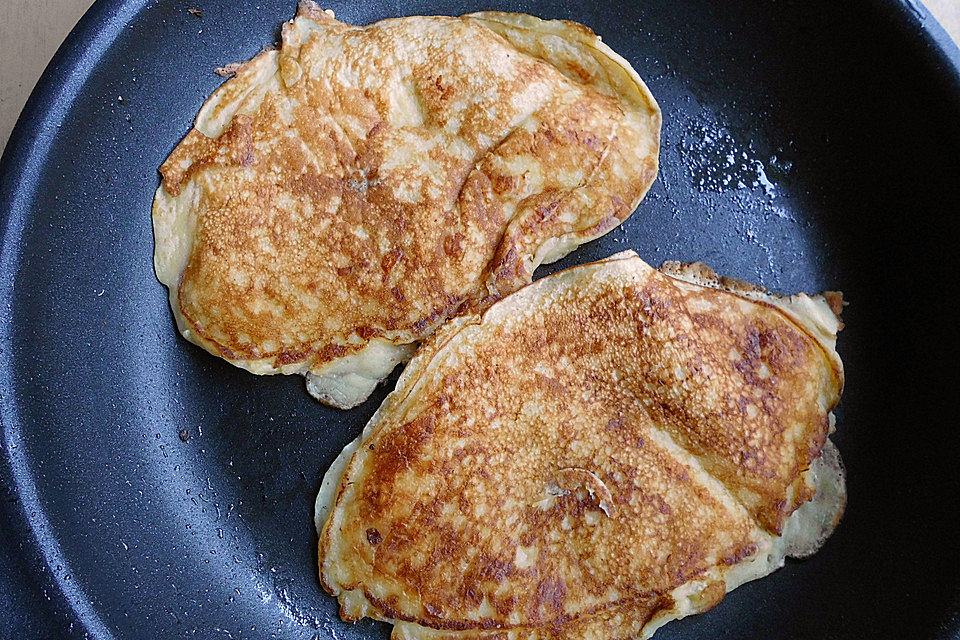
[(807, 145)]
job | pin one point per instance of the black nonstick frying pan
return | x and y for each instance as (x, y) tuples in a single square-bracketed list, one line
[(150, 490)]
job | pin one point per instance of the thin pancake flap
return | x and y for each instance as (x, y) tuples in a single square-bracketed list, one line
[(341, 197), (602, 451)]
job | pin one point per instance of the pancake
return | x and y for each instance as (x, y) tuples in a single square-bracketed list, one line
[(343, 195), (608, 449)]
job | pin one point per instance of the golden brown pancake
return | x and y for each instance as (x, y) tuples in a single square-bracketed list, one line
[(342, 196), (607, 449)]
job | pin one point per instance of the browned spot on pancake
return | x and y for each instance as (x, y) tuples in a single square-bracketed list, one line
[(551, 595), (615, 423), (366, 332), (740, 554), (332, 351), (391, 259), (506, 184), (835, 300), (289, 357), (453, 245)]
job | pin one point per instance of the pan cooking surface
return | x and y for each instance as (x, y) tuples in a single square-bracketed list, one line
[(152, 490)]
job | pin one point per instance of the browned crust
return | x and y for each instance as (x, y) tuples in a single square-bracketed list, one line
[(308, 243), (456, 440)]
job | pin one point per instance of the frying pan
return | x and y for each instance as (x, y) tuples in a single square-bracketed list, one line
[(150, 490)]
